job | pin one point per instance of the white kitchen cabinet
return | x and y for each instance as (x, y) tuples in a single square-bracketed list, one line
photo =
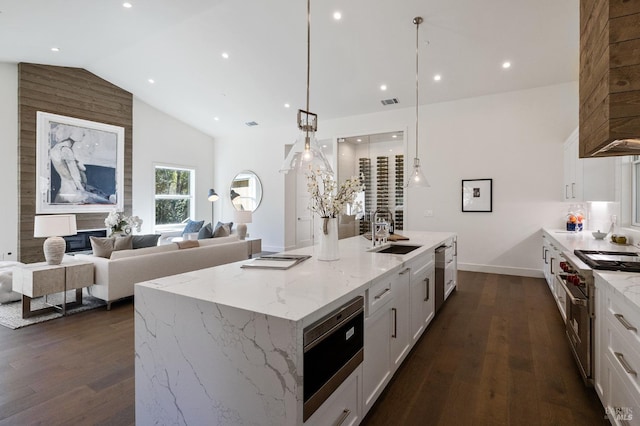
[(587, 179), (344, 406), (617, 355), (400, 307), (422, 296), (377, 348), (551, 258)]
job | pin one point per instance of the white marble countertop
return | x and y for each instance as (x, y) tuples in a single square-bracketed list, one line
[(297, 293), (584, 241), (627, 284)]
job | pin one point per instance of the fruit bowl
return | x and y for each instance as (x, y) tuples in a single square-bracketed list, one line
[(599, 235)]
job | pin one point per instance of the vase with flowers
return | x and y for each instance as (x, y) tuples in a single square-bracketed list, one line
[(329, 200), (120, 224)]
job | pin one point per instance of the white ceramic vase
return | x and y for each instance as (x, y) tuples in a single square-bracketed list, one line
[(329, 239)]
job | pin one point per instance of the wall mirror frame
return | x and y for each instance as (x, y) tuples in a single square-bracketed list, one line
[(245, 191)]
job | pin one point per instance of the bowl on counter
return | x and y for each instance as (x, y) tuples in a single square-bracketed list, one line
[(599, 235)]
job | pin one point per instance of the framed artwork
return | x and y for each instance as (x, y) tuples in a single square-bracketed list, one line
[(79, 165), (477, 195)]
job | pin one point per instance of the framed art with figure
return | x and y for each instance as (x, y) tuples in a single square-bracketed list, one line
[(477, 195), (79, 165)]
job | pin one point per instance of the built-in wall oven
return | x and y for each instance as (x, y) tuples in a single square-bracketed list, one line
[(333, 349)]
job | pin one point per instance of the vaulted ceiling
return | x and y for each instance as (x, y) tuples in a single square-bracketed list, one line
[(179, 44)]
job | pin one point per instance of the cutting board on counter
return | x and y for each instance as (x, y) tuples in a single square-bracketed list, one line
[(391, 237)]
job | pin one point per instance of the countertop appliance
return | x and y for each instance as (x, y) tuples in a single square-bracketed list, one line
[(333, 347), (625, 261)]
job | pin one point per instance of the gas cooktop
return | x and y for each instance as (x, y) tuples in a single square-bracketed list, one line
[(610, 260)]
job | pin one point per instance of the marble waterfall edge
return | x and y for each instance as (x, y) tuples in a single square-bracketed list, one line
[(198, 362)]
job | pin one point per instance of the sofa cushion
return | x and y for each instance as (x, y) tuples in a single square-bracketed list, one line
[(121, 254), (192, 226), (222, 230), (187, 244), (103, 247), (142, 241), (216, 241), (205, 232)]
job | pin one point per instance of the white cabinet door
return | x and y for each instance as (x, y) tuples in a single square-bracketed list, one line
[(344, 406), (400, 338), (377, 354), (422, 301), (572, 185)]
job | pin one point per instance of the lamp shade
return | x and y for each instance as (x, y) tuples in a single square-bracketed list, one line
[(242, 216), (213, 196), (58, 225)]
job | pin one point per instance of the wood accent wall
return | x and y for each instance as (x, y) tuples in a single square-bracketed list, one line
[(609, 74), (71, 92)]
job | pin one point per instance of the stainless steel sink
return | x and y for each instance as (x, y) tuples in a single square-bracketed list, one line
[(397, 249)]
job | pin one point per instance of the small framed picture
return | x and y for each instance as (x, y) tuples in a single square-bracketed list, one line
[(477, 195)]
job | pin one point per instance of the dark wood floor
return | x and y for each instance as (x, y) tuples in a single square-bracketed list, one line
[(496, 354)]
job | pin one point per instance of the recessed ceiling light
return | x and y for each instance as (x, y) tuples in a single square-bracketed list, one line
[(394, 136), (358, 140), (437, 77), (287, 105), (506, 65), (225, 55), (325, 145), (337, 15), (151, 80), (216, 118), (127, 5), (55, 49), (383, 87)]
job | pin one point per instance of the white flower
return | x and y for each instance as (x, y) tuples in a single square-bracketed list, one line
[(330, 201), (118, 222)]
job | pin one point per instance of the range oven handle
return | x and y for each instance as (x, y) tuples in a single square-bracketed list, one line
[(574, 300)]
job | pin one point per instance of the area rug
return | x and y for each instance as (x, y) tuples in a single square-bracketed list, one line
[(11, 313)]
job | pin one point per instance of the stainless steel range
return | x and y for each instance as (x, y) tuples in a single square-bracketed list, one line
[(577, 281)]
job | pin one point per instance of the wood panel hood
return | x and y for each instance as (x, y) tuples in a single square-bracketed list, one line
[(609, 78)]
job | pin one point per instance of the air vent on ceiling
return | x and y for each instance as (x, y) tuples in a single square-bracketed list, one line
[(251, 123), (389, 101)]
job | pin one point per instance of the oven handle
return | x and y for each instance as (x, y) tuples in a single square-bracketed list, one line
[(574, 300)]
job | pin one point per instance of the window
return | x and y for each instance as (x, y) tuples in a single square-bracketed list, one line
[(174, 196)]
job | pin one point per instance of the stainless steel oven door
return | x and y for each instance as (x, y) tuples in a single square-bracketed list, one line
[(578, 326)]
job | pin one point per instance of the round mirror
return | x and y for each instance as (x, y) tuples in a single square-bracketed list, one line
[(246, 191)]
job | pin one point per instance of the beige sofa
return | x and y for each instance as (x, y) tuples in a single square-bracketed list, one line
[(115, 277)]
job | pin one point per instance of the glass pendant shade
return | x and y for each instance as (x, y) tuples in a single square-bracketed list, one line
[(306, 155), (417, 179)]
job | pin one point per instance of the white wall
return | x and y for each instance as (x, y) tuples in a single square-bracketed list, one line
[(161, 139), (514, 138), (9, 161)]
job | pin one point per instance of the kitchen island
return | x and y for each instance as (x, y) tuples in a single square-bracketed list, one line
[(224, 345)]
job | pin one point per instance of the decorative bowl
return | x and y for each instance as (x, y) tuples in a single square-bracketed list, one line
[(599, 235)]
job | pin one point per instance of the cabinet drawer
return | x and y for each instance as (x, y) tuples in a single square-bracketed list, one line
[(621, 402), (379, 294), (624, 319), (422, 264), (343, 407), (625, 358)]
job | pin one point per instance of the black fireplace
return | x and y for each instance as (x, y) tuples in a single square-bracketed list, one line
[(81, 242)]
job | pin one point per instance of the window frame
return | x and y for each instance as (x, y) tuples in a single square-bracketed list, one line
[(191, 197)]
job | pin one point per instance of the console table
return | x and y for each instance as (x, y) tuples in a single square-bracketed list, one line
[(41, 279)]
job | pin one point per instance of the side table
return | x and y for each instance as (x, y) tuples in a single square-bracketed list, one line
[(255, 246), (40, 279)]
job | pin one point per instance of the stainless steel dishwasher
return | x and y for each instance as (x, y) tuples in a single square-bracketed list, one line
[(439, 284)]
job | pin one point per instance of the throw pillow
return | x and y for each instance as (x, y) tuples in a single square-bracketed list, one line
[(187, 244), (192, 226), (143, 241), (205, 232), (102, 247), (221, 230)]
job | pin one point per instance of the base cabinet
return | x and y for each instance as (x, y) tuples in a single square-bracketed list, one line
[(400, 338), (344, 406), (422, 298)]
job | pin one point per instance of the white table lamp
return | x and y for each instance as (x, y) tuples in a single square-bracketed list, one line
[(242, 217), (54, 227)]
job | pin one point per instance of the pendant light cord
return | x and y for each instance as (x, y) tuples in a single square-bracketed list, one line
[(307, 142), (417, 20)]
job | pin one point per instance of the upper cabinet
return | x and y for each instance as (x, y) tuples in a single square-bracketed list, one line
[(587, 179), (609, 78)]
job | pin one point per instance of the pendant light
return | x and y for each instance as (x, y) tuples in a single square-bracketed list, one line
[(416, 177), (306, 152)]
